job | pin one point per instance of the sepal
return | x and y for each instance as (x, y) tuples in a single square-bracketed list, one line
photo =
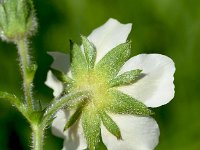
[(79, 63), (91, 124), (62, 77), (73, 118), (126, 78), (90, 52), (120, 103), (111, 63), (110, 125)]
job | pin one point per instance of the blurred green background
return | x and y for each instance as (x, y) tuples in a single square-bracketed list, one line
[(169, 27)]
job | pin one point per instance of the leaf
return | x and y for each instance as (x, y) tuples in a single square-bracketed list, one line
[(110, 125), (90, 52), (79, 63), (121, 103), (91, 127), (11, 98), (111, 63), (73, 118), (125, 78)]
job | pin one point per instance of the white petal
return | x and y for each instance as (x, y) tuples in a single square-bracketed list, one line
[(54, 83), (74, 138), (108, 36), (156, 87), (59, 122), (61, 61), (138, 133), (75, 141)]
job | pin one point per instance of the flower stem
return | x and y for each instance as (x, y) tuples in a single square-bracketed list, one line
[(25, 63), (38, 137), (57, 105)]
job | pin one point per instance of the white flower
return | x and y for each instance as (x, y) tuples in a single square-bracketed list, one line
[(154, 88)]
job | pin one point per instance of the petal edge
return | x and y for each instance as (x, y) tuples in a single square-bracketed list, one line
[(108, 36), (156, 87)]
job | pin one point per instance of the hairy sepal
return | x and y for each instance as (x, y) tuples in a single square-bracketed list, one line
[(90, 52), (73, 119), (79, 64), (91, 126), (111, 63), (110, 125), (126, 78), (120, 103)]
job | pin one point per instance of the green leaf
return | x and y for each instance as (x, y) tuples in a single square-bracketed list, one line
[(79, 63), (11, 98), (121, 103), (111, 63), (73, 118), (110, 125), (91, 126), (125, 78), (90, 52)]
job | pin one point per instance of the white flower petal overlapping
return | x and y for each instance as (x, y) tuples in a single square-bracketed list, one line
[(156, 88)]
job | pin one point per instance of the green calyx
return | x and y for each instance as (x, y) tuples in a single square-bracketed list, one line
[(91, 123), (110, 125), (90, 52), (126, 78), (101, 79), (17, 19)]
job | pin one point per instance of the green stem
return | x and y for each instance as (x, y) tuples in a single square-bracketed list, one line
[(25, 63), (39, 128), (56, 105), (38, 137)]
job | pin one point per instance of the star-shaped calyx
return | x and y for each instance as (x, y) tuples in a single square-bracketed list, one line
[(101, 79)]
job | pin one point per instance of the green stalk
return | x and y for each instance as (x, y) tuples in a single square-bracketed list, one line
[(38, 129), (38, 119), (28, 72), (57, 105), (38, 137), (25, 63)]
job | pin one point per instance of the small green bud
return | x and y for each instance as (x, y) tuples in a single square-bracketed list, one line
[(31, 70), (17, 19)]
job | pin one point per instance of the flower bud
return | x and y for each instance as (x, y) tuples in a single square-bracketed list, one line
[(17, 19)]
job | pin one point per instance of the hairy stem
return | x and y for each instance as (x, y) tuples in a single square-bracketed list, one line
[(65, 101), (38, 137), (28, 73), (25, 64)]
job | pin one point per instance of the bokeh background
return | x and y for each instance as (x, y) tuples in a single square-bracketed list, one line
[(169, 27)]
